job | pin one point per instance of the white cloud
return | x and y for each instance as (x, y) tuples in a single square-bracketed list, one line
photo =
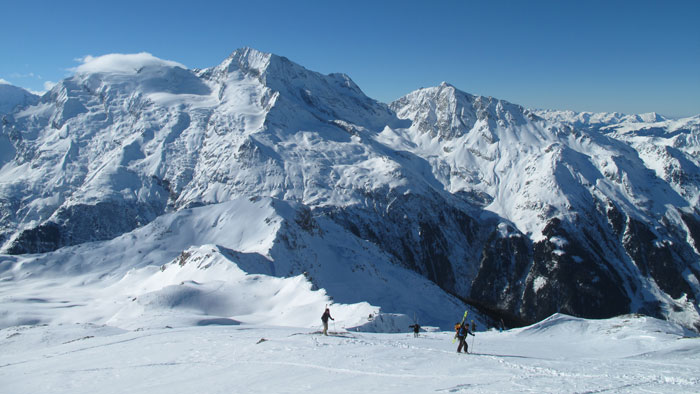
[(48, 85), (84, 59), (121, 63)]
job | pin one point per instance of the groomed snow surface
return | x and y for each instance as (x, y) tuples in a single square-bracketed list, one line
[(561, 354)]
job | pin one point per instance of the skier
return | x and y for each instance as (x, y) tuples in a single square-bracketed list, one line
[(416, 329), (461, 333), (324, 318)]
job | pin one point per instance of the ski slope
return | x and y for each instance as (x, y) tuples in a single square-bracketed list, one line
[(561, 354)]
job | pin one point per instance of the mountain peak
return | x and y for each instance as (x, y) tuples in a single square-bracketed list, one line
[(448, 112), (265, 65), (650, 117), (247, 60), (302, 95), (261, 64)]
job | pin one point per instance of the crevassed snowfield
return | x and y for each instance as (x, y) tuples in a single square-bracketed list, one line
[(561, 354)]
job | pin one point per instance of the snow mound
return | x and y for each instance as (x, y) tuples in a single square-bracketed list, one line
[(621, 327), (205, 286)]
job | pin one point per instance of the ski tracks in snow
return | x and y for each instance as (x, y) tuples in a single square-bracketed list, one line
[(181, 359)]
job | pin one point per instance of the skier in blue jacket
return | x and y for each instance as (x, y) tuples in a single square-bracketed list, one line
[(462, 331)]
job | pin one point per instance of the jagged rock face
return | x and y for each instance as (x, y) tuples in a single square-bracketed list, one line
[(76, 224), (576, 278), (523, 213), (504, 267), (426, 234), (557, 274)]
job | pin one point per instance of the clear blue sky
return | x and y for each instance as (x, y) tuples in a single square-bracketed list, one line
[(625, 56)]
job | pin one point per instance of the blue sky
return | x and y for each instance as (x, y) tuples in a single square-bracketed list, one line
[(625, 56)]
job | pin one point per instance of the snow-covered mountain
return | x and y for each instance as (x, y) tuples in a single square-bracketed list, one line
[(522, 213), (593, 219)]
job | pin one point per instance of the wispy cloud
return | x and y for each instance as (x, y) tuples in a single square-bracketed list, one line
[(25, 75), (84, 59)]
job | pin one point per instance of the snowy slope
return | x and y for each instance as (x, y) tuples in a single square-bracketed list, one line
[(244, 261), (561, 355)]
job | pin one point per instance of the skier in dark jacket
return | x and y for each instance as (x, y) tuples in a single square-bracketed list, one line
[(416, 329), (462, 331), (324, 318)]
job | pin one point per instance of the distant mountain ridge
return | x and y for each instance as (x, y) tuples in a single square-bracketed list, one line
[(12, 97), (522, 212)]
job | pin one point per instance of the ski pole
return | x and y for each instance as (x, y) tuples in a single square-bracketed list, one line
[(473, 339)]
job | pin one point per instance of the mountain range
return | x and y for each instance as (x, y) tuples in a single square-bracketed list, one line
[(437, 199)]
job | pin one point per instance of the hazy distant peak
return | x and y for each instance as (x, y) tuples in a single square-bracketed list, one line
[(12, 97)]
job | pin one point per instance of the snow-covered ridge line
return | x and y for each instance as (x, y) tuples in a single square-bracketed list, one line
[(592, 118)]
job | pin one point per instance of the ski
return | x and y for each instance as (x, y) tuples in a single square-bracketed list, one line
[(466, 312)]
